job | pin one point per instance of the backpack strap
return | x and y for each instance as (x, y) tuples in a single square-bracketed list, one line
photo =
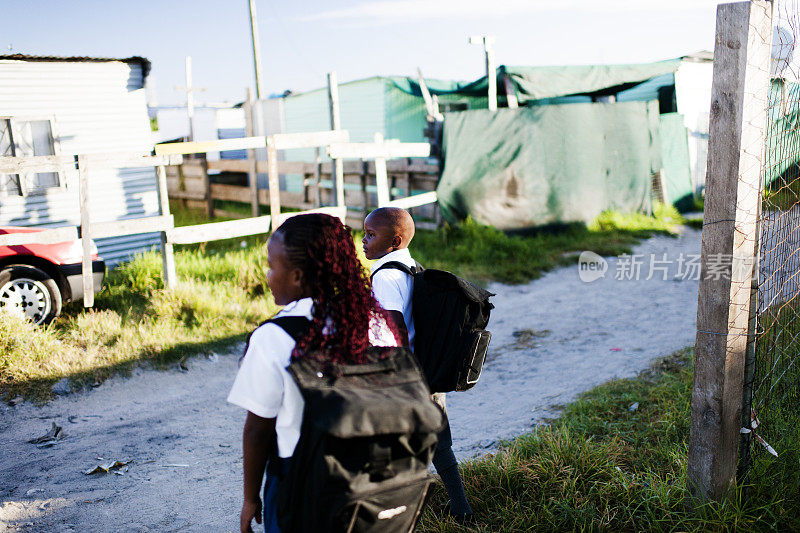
[(295, 326), (397, 265)]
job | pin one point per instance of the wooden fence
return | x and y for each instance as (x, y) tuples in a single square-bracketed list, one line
[(88, 229), (407, 177), (172, 154)]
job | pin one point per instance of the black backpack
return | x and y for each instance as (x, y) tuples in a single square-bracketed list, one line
[(367, 438), (450, 315)]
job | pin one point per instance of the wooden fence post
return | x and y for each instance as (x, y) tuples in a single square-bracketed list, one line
[(736, 143), (364, 194), (381, 178), (274, 183), (86, 232), (167, 254), (338, 165), (252, 172), (206, 186), (317, 177)]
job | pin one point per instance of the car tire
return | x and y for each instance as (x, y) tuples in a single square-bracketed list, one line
[(30, 292)]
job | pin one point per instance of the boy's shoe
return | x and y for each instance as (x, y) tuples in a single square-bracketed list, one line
[(462, 519)]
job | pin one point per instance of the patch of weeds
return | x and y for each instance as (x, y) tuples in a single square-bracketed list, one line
[(607, 465)]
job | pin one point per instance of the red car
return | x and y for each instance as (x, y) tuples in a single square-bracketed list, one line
[(37, 279)]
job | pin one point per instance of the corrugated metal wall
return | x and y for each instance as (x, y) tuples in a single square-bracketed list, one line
[(97, 107)]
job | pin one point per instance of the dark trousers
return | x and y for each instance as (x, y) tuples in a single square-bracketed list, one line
[(443, 457), (276, 469)]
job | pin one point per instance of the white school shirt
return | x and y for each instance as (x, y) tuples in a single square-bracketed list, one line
[(393, 288), (264, 387)]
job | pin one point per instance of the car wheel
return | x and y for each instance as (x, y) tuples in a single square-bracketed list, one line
[(29, 292)]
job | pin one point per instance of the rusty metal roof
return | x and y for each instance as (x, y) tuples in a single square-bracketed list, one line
[(144, 62)]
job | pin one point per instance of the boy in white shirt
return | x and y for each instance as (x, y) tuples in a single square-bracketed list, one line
[(387, 233)]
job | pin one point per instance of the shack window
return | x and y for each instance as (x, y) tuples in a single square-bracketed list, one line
[(26, 138)]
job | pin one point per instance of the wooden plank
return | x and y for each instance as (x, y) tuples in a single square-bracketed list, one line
[(414, 201), (237, 193), (193, 169), (131, 226), (230, 165), (230, 193), (736, 140), (387, 150), (190, 195), (339, 212), (252, 170), (274, 183), (242, 165), (86, 232), (49, 236), (167, 253), (511, 92), (206, 181), (426, 95), (132, 160), (403, 165), (333, 101), (364, 193), (189, 184), (296, 167), (317, 177), (287, 141), (39, 163), (242, 143), (381, 178), (219, 230), (63, 163), (333, 108)]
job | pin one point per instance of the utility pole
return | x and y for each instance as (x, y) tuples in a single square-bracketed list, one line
[(487, 41), (189, 97), (256, 49)]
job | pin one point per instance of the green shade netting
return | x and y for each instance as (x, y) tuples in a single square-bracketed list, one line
[(535, 83), (675, 160), (519, 168)]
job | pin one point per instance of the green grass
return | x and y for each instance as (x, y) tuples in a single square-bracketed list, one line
[(603, 467), (223, 295)]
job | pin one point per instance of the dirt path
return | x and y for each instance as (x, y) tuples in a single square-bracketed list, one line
[(552, 339)]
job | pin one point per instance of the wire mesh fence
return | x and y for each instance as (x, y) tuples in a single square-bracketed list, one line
[(772, 370)]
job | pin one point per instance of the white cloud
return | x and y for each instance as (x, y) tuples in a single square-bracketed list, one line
[(394, 10)]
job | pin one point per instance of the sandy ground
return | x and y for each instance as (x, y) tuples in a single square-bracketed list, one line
[(552, 339)]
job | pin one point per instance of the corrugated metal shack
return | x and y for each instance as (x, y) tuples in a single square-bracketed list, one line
[(76, 105)]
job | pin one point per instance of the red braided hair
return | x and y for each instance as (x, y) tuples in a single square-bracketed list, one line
[(323, 249)]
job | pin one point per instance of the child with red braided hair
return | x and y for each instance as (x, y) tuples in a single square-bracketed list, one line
[(314, 272)]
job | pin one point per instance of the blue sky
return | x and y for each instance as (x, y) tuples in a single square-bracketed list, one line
[(302, 40)]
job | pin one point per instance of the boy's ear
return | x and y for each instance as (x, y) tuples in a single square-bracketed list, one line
[(396, 241)]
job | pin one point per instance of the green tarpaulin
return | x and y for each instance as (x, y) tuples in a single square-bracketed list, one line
[(518, 168), (677, 177), (537, 83)]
